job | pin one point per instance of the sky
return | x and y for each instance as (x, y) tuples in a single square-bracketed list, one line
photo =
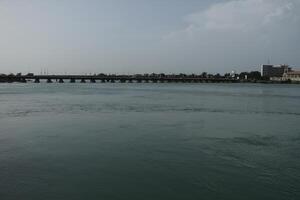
[(145, 36)]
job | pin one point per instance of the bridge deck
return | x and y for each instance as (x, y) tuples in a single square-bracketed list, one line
[(122, 79)]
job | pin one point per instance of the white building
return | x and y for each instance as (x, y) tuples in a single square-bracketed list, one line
[(293, 76)]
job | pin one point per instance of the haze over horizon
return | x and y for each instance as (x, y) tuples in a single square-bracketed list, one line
[(144, 36)]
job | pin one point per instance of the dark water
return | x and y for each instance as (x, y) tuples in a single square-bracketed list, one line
[(149, 141)]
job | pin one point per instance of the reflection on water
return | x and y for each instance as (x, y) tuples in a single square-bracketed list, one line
[(149, 141)]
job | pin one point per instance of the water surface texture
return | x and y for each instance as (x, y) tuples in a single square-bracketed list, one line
[(149, 141)]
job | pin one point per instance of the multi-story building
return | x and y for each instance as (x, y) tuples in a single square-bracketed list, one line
[(274, 71)]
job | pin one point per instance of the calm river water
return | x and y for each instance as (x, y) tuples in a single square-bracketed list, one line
[(149, 141)]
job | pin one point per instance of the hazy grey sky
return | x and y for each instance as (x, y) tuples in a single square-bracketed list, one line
[(137, 36)]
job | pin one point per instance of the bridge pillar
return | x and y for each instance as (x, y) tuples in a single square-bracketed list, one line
[(37, 80), (112, 80), (82, 80), (93, 80), (23, 80), (61, 80), (146, 81), (139, 80), (122, 80), (49, 80), (130, 81), (103, 81), (154, 80)]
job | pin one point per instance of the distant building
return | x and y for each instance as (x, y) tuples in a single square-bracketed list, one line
[(274, 71), (293, 76)]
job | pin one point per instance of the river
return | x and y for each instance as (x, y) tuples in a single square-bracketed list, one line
[(149, 141)]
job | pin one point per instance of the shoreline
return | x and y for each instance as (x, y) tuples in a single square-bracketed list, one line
[(158, 81), (136, 79)]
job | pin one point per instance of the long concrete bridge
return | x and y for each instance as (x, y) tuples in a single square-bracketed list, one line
[(112, 79)]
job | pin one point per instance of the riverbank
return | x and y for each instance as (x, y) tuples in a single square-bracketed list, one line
[(24, 80), (137, 78)]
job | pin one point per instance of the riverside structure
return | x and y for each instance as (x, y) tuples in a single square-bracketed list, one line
[(157, 78), (113, 79)]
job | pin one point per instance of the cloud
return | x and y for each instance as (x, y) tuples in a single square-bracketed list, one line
[(240, 32), (242, 15)]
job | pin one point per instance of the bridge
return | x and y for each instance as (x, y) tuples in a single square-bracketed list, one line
[(112, 79)]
